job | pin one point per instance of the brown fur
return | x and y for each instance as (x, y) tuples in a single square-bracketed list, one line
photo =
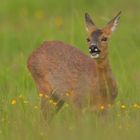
[(63, 73), (61, 68)]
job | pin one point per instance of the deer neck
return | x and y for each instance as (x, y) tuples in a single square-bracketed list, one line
[(103, 65), (107, 83)]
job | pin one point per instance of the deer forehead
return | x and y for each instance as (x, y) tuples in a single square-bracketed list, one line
[(96, 34)]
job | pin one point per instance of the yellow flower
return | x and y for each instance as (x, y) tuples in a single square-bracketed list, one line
[(67, 94), (50, 101), (102, 107), (136, 106), (35, 107), (54, 103), (13, 102), (41, 94), (123, 106)]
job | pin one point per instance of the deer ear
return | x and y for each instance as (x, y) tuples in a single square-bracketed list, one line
[(90, 26), (111, 26)]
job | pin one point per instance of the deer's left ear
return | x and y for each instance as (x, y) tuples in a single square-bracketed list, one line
[(111, 26)]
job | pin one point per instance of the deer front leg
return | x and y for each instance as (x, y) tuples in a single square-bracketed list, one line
[(112, 87), (50, 102), (50, 105), (113, 90)]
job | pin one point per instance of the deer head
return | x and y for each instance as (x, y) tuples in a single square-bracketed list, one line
[(98, 38)]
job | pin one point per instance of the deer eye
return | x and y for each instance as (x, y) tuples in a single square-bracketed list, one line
[(104, 39), (88, 40)]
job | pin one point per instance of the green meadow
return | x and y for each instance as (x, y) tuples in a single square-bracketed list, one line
[(24, 25)]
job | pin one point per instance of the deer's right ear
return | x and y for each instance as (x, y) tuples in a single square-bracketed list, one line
[(90, 26)]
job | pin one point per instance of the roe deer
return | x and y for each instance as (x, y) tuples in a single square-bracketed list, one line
[(63, 73)]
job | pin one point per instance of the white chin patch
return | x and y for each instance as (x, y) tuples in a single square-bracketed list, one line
[(94, 56)]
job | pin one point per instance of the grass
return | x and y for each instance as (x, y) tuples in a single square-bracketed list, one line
[(24, 25)]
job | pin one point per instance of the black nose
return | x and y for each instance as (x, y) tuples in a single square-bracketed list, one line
[(94, 49)]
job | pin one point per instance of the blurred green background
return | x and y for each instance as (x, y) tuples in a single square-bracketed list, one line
[(24, 25)]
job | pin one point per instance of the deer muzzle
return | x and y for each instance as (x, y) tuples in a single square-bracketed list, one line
[(94, 51)]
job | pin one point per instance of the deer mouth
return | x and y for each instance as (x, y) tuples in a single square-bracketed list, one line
[(94, 55)]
